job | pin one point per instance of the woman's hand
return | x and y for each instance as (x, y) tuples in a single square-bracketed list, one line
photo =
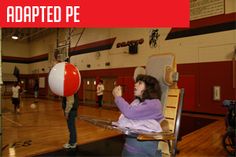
[(117, 91)]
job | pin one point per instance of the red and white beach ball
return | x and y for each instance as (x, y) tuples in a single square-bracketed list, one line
[(64, 79)]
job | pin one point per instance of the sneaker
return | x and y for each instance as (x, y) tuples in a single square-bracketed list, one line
[(70, 146)]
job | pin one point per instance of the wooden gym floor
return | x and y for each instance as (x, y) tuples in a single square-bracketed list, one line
[(43, 129)]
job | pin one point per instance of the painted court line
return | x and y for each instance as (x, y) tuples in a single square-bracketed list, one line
[(14, 122)]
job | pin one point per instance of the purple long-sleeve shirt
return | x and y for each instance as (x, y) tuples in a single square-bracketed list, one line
[(149, 109)]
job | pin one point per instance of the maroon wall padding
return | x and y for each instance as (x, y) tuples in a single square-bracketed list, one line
[(188, 82), (127, 84), (30, 88), (215, 74), (198, 80), (124, 78), (204, 76), (108, 72)]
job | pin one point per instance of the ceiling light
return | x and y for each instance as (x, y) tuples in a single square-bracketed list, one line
[(15, 36)]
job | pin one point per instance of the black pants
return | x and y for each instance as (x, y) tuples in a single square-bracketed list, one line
[(100, 100), (71, 124), (16, 102)]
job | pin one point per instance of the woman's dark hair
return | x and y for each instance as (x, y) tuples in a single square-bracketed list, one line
[(153, 89)]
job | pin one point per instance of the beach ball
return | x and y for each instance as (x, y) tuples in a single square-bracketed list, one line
[(64, 79)]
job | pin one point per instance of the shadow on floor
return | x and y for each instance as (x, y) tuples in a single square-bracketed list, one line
[(189, 124), (112, 147)]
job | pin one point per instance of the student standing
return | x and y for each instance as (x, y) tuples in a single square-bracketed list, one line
[(100, 89), (36, 90), (70, 107), (16, 97)]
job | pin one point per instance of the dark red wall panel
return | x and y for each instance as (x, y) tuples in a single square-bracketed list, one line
[(207, 75), (198, 79), (108, 72), (188, 82), (215, 74)]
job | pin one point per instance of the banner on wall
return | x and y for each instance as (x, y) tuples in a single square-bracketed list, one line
[(94, 13), (203, 8)]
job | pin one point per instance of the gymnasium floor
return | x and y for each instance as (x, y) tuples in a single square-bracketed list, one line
[(43, 129)]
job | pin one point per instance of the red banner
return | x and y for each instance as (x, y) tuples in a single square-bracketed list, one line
[(94, 13)]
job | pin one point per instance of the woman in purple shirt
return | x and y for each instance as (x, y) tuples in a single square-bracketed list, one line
[(144, 111)]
